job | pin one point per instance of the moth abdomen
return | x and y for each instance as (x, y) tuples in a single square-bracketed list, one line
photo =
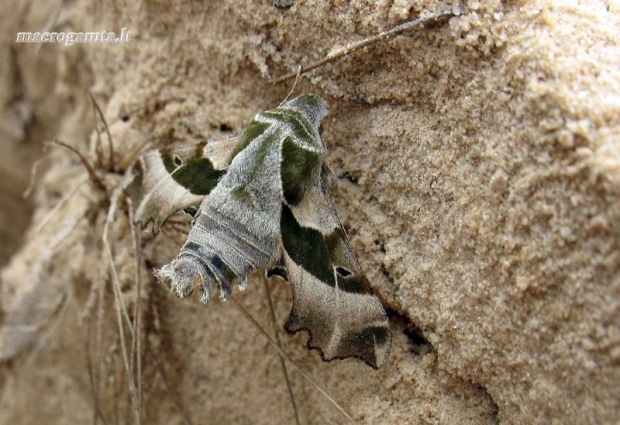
[(197, 267), (186, 274), (216, 251)]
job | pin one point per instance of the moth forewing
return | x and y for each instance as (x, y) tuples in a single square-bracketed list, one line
[(332, 298), (267, 208), (162, 182)]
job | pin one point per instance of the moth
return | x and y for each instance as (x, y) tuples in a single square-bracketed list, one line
[(259, 200)]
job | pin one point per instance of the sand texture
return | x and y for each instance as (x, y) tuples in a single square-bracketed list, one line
[(478, 177)]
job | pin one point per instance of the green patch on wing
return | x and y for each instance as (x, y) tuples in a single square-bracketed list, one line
[(196, 174), (266, 147), (254, 130), (297, 168), (320, 255)]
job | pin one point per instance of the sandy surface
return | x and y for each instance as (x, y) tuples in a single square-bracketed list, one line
[(480, 188)]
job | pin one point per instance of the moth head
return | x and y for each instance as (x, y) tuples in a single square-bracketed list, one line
[(313, 107)]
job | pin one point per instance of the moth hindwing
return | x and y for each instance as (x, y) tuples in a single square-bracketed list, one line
[(261, 201)]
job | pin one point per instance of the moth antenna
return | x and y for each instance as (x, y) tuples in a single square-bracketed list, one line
[(285, 356), (297, 76), (164, 378), (92, 174), (121, 309), (397, 30), (276, 334), (97, 111)]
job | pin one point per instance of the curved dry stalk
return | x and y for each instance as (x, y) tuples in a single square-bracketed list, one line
[(92, 174), (33, 174), (100, 316), (121, 311), (97, 110), (136, 349), (93, 375)]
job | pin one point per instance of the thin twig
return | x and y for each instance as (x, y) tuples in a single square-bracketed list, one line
[(286, 357), (33, 175), (107, 130), (59, 205), (89, 168), (92, 377), (167, 384), (99, 336), (136, 345), (282, 362), (121, 309), (397, 30)]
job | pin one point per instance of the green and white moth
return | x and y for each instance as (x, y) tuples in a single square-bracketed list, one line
[(260, 200)]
